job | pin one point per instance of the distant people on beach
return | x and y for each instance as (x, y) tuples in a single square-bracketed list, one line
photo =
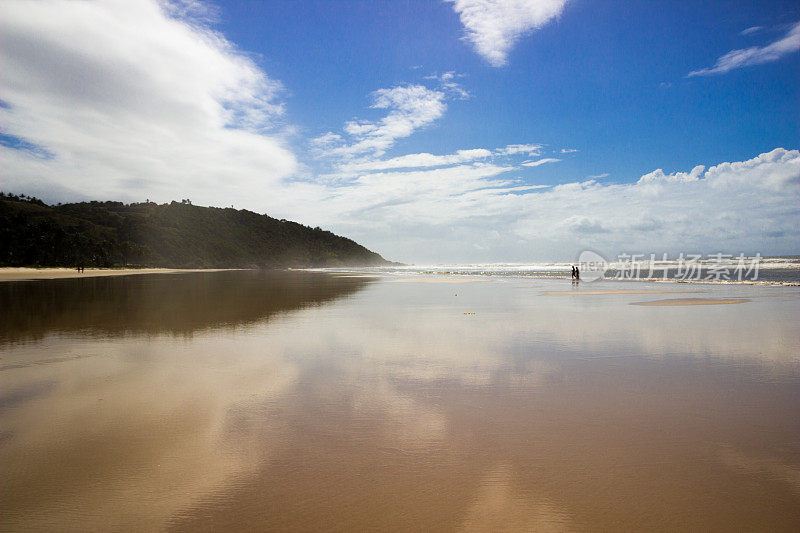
[(576, 274)]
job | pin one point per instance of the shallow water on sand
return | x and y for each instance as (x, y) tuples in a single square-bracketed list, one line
[(297, 401)]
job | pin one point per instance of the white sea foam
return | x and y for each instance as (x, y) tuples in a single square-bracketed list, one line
[(770, 271)]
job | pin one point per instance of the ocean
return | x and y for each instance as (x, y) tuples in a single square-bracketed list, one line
[(749, 270)]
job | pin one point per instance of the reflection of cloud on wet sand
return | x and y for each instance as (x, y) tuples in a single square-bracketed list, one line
[(759, 465), (428, 345), (499, 507), (394, 409), (512, 327), (129, 438), (406, 423)]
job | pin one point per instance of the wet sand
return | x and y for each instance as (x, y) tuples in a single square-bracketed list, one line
[(16, 274), (439, 279), (694, 301), (594, 293), (257, 401)]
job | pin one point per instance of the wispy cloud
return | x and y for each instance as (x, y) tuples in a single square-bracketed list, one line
[(448, 83), (542, 161), (755, 55), (410, 107), (361, 147), (494, 26), (371, 164), (751, 30), (416, 160)]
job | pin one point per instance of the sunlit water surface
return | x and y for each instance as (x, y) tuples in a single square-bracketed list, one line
[(297, 401)]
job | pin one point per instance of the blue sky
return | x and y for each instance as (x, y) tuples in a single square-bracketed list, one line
[(513, 130), (607, 78)]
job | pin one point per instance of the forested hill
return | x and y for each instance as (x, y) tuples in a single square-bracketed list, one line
[(176, 235)]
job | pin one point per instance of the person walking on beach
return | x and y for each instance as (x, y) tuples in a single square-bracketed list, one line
[(573, 271), (577, 274)]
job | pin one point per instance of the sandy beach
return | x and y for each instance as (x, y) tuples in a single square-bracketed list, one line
[(274, 400), (595, 293), (694, 301), (461, 279), (19, 274)]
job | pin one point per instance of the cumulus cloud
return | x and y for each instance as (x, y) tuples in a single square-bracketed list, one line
[(483, 212), (658, 176), (583, 224), (755, 55), (125, 98), (494, 26)]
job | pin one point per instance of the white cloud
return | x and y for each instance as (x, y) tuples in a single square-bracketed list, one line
[(527, 149), (121, 100), (569, 150), (447, 82), (494, 26), (541, 161), (327, 140), (370, 164), (580, 224), (126, 100), (755, 55), (751, 30), (658, 176), (476, 212), (470, 206), (410, 107), (416, 160)]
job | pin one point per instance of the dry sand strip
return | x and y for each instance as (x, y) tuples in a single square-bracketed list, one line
[(588, 293), (694, 301), (21, 274)]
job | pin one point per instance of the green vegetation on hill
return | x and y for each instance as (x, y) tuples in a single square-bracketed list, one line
[(176, 235)]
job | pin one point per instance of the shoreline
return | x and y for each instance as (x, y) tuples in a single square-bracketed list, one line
[(28, 274), (692, 301)]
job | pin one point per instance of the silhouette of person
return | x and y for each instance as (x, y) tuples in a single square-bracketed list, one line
[(573, 271), (577, 274)]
